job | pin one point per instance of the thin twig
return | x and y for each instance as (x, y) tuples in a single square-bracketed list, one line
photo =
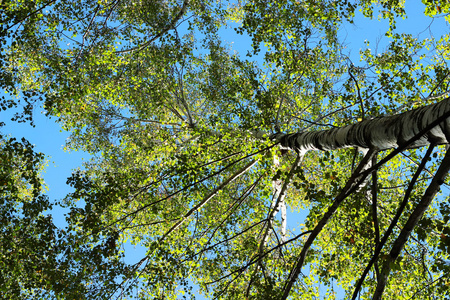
[(359, 93)]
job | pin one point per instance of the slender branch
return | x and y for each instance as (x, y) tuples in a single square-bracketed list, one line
[(279, 198), (207, 198), (438, 85), (359, 92), (376, 225), (352, 184), (187, 186), (24, 18), (394, 221), (176, 112), (87, 30), (162, 32), (414, 218), (257, 257), (403, 185), (277, 118), (240, 271), (226, 240), (183, 98), (114, 5), (422, 100), (315, 123), (426, 286), (231, 210), (408, 157)]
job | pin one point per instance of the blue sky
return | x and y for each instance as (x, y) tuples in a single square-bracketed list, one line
[(49, 139)]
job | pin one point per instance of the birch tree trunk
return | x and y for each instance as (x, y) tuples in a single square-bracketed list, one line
[(379, 133)]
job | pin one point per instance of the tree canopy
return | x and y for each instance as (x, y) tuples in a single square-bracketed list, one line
[(292, 170)]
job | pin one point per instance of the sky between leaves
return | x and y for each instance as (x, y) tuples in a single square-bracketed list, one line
[(49, 139)]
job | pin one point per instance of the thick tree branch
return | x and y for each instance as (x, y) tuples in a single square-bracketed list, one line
[(382, 133)]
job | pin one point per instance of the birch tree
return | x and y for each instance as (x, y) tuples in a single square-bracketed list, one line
[(292, 170)]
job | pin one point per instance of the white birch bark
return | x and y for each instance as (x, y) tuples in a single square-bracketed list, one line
[(278, 204), (278, 198), (380, 133), (283, 221), (280, 192)]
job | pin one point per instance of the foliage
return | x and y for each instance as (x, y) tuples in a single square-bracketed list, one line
[(172, 116), (39, 260), (25, 230)]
